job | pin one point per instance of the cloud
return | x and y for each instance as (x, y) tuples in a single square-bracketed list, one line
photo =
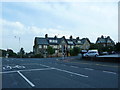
[(12, 27), (18, 28)]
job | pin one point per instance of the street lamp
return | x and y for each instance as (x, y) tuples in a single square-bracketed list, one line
[(18, 40)]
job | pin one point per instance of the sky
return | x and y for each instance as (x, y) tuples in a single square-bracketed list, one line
[(23, 21)]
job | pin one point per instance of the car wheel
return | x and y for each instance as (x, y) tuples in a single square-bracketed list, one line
[(96, 55)]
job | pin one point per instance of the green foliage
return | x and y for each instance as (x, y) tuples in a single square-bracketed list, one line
[(21, 53), (93, 46), (74, 51), (117, 47), (11, 53), (37, 56), (50, 50), (3, 53)]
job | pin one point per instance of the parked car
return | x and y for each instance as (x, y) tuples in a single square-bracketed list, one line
[(91, 53)]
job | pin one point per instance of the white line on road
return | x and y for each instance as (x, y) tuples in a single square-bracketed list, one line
[(70, 72), (8, 72), (27, 70), (63, 64), (26, 79), (44, 65), (109, 72), (89, 68), (74, 66), (66, 71)]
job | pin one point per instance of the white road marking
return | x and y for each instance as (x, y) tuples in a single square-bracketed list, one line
[(26, 79), (44, 65), (4, 68), (89, 68), (109, 72), (74, 66), (27, 70), (66, 71), (8, 72), (70, 72), (63, 64)]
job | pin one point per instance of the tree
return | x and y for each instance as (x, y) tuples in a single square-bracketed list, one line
[(11, 53), (117, 47), (22, 52), (93, 46), (75, 51), (50, 50)]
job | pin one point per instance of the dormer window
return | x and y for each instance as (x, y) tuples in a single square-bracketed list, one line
[(79, 41), (70, 42), (53, 41)]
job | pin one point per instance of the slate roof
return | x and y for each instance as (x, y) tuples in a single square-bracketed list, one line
[(104, 39), (70, 42), (41, 41), (46, 41)]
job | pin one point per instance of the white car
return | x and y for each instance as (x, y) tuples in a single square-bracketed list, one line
[(91, 53)]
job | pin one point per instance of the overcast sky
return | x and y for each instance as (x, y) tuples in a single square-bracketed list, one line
[(28, 20)]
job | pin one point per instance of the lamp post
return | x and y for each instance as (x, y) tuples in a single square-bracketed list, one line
[(18, 42), (62, 51)]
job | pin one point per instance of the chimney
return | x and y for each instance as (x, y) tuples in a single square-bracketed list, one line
[(63, 37), (77, 38), (46, 35), (71, 37), (102, 36), (55, 37)]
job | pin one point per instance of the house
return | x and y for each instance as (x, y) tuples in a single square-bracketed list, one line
[(59, 44), (105, 41)]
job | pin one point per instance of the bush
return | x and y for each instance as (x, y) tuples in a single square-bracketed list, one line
[(37, 56), (74, 51)]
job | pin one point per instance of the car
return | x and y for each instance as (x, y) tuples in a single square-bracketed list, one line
[(91, 53)]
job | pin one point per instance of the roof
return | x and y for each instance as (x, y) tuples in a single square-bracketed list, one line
[(70, 42), (41, 41), (57, 41), (104, 39), (84, 39)]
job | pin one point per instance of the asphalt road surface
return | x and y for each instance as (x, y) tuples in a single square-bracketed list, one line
[(55, 73)]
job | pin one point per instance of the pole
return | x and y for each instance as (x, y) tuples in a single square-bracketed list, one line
[(62, 52)]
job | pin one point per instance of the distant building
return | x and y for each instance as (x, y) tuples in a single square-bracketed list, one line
[(105, 41), (59, 44)]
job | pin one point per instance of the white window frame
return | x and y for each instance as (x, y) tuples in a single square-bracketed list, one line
[(40, 46)]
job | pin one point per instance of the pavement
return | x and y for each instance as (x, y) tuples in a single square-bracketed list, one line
[(58, 73), (112, 55)]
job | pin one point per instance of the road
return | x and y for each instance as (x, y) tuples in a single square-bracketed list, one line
[(56, 73)]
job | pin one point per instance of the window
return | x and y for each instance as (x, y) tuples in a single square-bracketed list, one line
[(53, 41), (70, 42), (60, 46), (68, 46), (40, 46), (50, 40), (79, 41), (72, 46), (56, 51), (55, 46), (45, 46)]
